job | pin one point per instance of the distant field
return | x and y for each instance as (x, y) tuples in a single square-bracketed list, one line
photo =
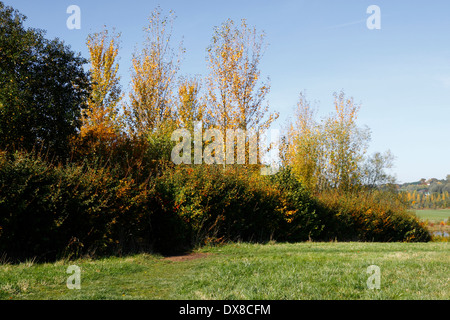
[(433, 215), (276, 271)]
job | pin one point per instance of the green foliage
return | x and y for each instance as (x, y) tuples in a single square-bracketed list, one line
[(159, 143), (43, 87), (217, 204), (49, 210), (302, 212), (374, 215)]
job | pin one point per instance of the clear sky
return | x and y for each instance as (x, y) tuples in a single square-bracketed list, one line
[(400, 73)]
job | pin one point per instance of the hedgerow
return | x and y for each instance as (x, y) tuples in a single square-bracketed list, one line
[(51, 210)]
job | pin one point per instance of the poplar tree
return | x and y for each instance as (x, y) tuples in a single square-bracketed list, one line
[(102, 119), (190, 104), (154, 71), (236, 96)]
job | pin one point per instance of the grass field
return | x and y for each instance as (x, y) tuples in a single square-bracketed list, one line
[(437, 222), (246, 271), (433, 215)]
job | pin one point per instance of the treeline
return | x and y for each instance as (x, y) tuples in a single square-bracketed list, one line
[(420, 200), (86, 168), (427, 194)]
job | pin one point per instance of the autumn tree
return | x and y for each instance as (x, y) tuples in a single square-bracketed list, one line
[(190, 106), (328, 153), (235, 94), (345, 144), (154, 71), (303, 151), (102, 120)]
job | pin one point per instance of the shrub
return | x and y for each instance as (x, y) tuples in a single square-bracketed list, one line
[(370, 215), (302, 215), (27, 213), (218, 204), (48, 210)]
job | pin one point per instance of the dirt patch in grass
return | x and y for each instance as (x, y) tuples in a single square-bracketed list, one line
[(187, 257)]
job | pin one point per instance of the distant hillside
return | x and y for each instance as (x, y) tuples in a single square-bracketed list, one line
[(432, 185), (427, 194)]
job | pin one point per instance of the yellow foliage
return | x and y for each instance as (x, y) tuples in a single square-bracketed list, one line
[(190, 107), (326, 154), (101, 119), (153, 74), (235, 96)]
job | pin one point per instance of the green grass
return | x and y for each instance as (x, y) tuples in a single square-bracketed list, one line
[(246, 271), (433, 215)]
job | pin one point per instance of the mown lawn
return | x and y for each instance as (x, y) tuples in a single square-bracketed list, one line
[(246, 271)]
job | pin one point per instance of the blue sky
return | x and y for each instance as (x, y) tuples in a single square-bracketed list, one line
[(400, 74)]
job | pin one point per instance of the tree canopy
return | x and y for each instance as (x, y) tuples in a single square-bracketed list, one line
[(43, 87)]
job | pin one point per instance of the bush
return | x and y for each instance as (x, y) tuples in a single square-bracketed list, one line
[(51, 210), (303, 216), (370, 215), (222, 204), (48, 210), (27, 212)]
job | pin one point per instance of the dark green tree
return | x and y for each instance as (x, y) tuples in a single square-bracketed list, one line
[(436, 188), (446, 188), (43, 88)]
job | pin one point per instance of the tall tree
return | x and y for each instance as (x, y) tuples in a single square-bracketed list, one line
[(102, 119), (303, 146), (153, 76), (345, 143), (43, 87), (329, 153), (236, 97), (190, 105), (373, 170)]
